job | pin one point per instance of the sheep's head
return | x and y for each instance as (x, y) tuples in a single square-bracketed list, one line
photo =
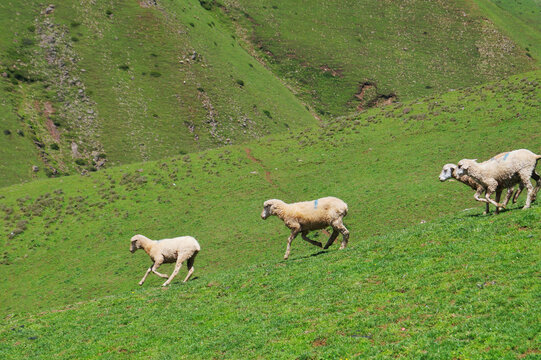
[(268, 208), (463, 166), (447, 171), (135, 243)]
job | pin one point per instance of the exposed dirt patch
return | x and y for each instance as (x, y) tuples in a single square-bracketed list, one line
[(369, 96), (148, 3), (267, 173), (319, 342), (48, 110), (333, 72), (250, 156)]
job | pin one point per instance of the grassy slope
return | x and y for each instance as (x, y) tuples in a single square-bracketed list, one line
[(120, 80), (70, 235), (407, 48), (463, 287), (521, 20)]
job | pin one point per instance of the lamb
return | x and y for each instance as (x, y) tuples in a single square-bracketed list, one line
[(449, 171), (505, 170), (303, 217), (166, 251)]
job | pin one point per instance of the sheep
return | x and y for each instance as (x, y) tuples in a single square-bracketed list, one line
[(166, 251), (303, 217), (449, 171), (506, 170)]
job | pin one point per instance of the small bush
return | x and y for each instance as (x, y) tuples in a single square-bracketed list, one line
[(200, 89), (74, 38), (75, 24), (109, 12), (28, 42), (7, 132), (54, 146), (207, 4), (80, 162), (240, 82), (267, 112), (192, 24), (31, 28), (155, 74), (124, 67)]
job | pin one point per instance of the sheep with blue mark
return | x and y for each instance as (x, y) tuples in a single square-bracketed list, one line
[(503, 170), (449, 172), (303, 217)]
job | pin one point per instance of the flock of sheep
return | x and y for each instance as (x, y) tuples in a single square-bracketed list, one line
[(503, 171)]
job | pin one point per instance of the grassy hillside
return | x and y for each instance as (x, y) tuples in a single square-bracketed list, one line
[(66, 240), (127, 81), (351, 55), (521, 20), (463, 287)]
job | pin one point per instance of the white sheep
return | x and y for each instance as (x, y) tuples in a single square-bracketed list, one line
[(505, 170), (449, 171), (303, 217), (177, 250)]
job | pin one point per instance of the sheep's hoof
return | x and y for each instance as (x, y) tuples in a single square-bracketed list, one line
[(165, 284), (140, 283)]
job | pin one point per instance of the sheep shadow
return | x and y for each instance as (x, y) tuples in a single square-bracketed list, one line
[(321, 252), (492, 213)]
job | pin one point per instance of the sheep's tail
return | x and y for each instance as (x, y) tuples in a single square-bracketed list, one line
[(345, 212)]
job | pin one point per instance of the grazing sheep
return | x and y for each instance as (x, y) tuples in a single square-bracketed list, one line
[(449, 171), (303, 217), (505, 170), (177, 250)]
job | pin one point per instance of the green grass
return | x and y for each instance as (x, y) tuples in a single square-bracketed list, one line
[(70, 235), (466, 286), (521, 20), (405, 49)]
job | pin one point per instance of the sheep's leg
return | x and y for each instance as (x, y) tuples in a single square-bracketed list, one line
[(345, 237), (509, 195), (339, 225), (146, 274), (537, 179), (477, 196), (517, 193), (155, 269), (306, 238), (498, 196), (190, 267), (491, 188), (333, 237), (528, 185), (175, 272), (294, 233)]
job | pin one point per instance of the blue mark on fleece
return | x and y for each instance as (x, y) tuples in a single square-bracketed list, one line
[(505, 156), (315, 204)]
